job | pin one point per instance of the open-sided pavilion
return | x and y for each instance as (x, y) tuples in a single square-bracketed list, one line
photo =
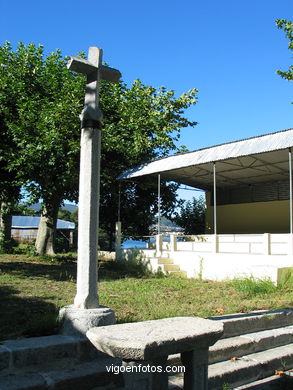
[(248, 186)]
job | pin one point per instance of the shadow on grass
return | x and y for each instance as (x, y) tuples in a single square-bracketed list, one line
[(66, 271), (25, 317), (55, 272)]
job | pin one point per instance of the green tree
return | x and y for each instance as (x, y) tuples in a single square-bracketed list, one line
[(191, 216), (287, 27), (141, 123), (42, 117), (41, 114), (10, 189)]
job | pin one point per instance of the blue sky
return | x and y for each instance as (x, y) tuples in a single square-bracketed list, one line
[(228, 49)]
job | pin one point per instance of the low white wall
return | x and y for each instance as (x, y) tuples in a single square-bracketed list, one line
[(275, 244), (219, 266), (229, 256)]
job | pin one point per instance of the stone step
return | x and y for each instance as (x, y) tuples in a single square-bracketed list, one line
[(171, 267), (251, 367), (16, 354), (179, 274), (249, 343), (22, 357), (246, 370), (69, 376), (165, 260), (234, 347), (41, 350), (241, 323), (275, 382)]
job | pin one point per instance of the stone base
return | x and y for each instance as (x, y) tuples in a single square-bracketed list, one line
[(76, 322)]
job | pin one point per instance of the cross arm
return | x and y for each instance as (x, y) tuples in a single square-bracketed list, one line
[(80, 65), (110, 74)]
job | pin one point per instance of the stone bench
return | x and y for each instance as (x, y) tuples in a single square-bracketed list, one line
[(144, 348)]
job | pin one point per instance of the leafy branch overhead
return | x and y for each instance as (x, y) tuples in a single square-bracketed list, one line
[(287, 27)]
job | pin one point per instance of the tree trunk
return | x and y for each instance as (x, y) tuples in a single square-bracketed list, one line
[(47, 228), (5, 227)]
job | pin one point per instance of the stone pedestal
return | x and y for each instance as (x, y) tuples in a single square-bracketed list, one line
[(76, 322)]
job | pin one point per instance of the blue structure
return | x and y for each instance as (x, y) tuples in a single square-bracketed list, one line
[(25, 228)]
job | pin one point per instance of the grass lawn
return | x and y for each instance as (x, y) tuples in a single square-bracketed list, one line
[(32, 290)]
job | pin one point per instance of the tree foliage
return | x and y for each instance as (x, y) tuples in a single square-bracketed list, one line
[(41, 115), (287, 27), (141, 123), (40, 103), (191, 216)]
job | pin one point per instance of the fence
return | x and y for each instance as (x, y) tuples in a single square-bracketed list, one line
[(254, 244)]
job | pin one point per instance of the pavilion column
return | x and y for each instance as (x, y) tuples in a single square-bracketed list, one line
[(118, 234), (290, 202), (159, 203), (215, 243)]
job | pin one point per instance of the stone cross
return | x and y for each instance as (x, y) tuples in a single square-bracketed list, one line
[(90, 152)]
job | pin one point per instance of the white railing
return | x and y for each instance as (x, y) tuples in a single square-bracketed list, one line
[(254, 244)]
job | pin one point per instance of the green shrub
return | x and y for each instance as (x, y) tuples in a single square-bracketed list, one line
[(251, 286), (25, 249)]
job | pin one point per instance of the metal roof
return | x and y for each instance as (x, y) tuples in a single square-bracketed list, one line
[(28, 222), (249, 161)]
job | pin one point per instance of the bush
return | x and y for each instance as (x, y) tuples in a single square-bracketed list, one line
[(251, 286)]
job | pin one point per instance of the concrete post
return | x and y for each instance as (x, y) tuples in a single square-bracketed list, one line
[(118, 250), (290, 244), (215, 243), (159, 245), (173, 242), (266, 244)]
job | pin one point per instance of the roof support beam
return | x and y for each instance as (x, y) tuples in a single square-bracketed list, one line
[(159, 203), (290, 191), (215, 199)]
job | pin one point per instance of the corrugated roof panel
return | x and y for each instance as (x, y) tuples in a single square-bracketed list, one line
[(21, 221), (251, 146)]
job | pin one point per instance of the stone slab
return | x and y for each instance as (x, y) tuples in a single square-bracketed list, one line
[(23, 382), (241, 323), (40, 350), (149, 340), (85, 376)]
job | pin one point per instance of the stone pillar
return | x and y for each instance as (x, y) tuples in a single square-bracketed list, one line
[(196, 369), (145, 375), (86, 312), (87, 296)]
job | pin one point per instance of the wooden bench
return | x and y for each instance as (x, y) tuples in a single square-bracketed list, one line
[(144, 348)]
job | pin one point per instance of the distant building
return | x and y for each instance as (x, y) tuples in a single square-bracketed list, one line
[(25, 228)]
